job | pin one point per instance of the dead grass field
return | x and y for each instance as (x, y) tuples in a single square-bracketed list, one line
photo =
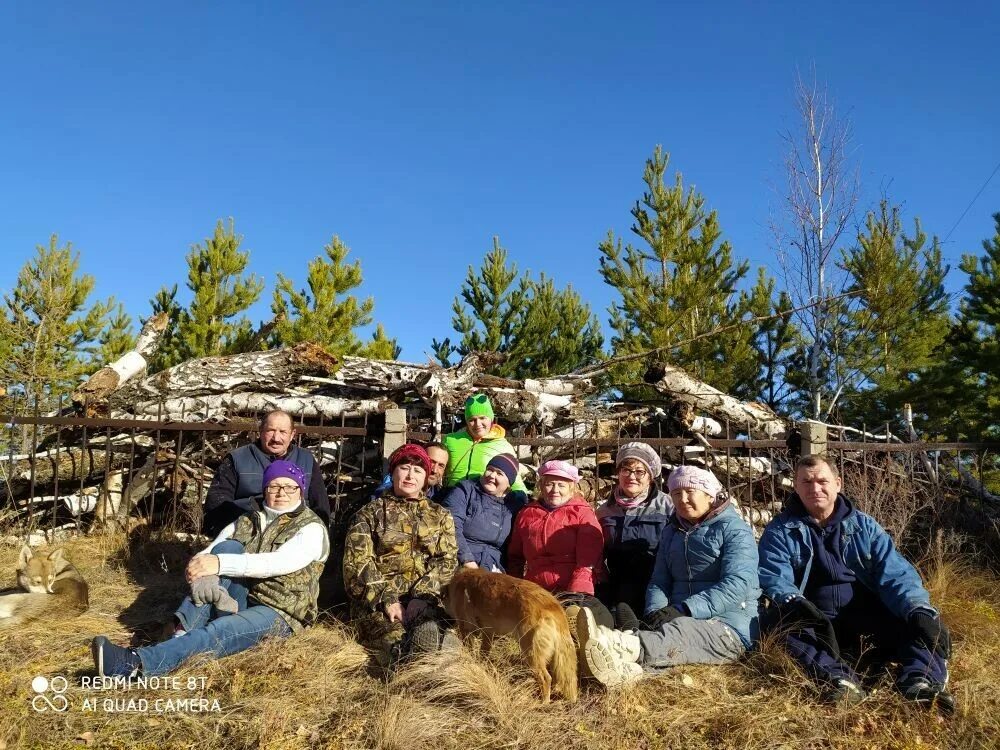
[(316, 690)]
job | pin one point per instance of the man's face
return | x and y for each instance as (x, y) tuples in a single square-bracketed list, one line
[(276, 435), (817, 487), (439, 462)]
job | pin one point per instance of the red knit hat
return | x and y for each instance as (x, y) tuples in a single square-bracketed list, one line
[(409, 453)]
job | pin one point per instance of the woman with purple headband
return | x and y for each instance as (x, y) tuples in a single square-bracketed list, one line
[(259, 578), (701, 602)]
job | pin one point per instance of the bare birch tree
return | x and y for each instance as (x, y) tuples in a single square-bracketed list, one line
[(822, 191)]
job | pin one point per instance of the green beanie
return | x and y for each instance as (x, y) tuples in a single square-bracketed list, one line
[(478, 406)]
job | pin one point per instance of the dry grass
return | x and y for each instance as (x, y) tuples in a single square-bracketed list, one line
[(316, 690)]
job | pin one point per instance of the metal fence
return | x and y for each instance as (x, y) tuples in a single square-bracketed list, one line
[(59, 472)]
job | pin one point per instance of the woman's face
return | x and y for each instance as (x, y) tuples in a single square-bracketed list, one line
[(479, 427), (691, 504), (634, 478), (495, 481), (556, 491), (408, 480), (282, 494)]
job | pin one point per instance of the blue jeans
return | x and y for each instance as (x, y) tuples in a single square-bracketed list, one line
[(212, 632)]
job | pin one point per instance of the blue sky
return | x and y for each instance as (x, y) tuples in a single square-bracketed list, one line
[(418, 130)]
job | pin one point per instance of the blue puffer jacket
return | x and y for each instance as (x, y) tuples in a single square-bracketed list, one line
[(711, 568), (631, 536), (482, 521), (786, 557)]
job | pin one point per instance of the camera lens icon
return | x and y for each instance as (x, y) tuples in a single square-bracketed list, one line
[(42, 703)]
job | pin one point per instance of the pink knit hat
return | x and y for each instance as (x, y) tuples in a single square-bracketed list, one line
[(693, 477), (561, 469)]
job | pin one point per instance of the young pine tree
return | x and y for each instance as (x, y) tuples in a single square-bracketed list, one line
[(679, 287), (117, 338), (326, 312), (542, 330), (50, 334), (222, 292), (897, 319)]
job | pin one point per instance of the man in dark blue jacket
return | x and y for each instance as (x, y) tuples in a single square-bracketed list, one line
[(237, 481), (835, 578)]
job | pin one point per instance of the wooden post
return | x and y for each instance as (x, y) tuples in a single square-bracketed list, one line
[(395, 432), (813, 439)]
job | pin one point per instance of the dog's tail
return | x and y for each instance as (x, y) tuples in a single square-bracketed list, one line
[(563, 665)]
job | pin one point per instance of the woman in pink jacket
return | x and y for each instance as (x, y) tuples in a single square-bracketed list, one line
[(558, 543)]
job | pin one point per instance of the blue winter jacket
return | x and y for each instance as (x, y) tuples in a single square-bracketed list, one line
[(786, 557), (482, 522), (711, 568)]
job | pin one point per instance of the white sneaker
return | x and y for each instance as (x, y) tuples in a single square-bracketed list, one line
[(611, 655)]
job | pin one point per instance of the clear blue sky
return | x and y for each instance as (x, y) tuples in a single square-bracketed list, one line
[(417, 130)]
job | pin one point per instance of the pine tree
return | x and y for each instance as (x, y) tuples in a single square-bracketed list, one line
[(50, 333), (898, 319), (679, 288), (327, 312), (543, 330), (960, 393), (216, 270), (168, 353), (775, 343)]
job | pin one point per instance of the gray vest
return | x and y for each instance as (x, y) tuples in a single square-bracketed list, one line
[(250, 462)]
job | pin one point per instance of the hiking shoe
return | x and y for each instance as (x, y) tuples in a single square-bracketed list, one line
[(572, 613), (114, 661), (845, 692), (625, 618), (926, 694), (425, 637), (610, 656)]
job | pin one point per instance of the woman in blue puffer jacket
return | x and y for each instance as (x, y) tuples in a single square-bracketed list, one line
[(701, 603), (484, 511)]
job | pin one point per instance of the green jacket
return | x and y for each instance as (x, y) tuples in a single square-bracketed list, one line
[(467, 460)]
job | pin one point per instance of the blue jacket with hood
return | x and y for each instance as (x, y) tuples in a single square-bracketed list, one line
[(786, 558)]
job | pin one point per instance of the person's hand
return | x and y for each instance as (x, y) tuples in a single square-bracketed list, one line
[(394, 612), (801, 610), (202, 565), (413, 610), (931, 632), (470, 564), (659, 618)]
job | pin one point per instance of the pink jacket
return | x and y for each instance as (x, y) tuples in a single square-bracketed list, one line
[(560, 549)]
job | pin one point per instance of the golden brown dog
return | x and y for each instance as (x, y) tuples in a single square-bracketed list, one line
[(492, 604)]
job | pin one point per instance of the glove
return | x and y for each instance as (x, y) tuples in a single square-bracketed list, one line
[(659, 618), (208, 590), (931, 632), (801, 610)]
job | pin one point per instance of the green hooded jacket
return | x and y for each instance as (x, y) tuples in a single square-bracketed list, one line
[(468, 459)]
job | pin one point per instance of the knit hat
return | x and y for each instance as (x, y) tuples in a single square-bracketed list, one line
[(642, 453), (410, 453), (693, 477), (478, 405), (561, 469), (506, 463), (288, 470)]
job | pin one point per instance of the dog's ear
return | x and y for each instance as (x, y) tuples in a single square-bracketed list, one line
[(22, 561), (57, 555)]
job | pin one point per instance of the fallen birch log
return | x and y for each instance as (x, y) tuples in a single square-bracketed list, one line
[(274, 371), (223, 406), (675, 383), (113, 376)]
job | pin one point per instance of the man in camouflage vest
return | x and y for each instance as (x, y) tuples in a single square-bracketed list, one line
[(399, 554), (266, 564)]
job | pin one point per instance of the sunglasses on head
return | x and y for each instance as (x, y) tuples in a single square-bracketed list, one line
[(480, 399)]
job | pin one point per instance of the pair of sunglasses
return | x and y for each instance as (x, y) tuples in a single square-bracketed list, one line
[(480, 399)]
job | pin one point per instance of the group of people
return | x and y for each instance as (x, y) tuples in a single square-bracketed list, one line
[(649, 580)]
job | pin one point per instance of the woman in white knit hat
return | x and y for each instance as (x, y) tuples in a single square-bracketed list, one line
[(632, 520)]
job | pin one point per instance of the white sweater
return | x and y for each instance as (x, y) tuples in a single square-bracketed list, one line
[(308, 545)]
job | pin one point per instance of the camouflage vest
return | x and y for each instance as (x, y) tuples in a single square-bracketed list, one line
[(293, 595)]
